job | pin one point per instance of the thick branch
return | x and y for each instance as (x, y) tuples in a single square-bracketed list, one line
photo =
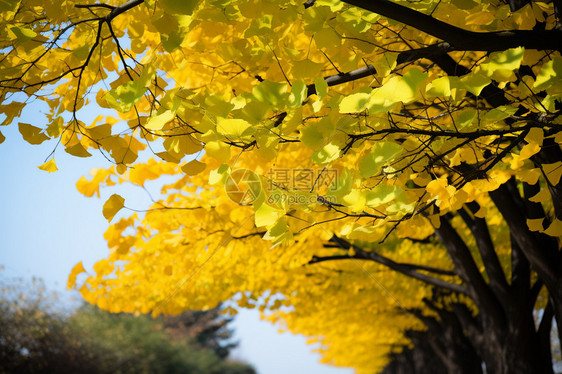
[(551, 153), (414, 267), (542, 259), (123, 8), (468, 271), (336, 79), (448, 134), (435, 50), (480, 231), (405, 269), (520, 269), (461, 39), (491, 93), (543, 332)]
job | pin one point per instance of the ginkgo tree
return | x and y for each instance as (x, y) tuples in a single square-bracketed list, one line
[(383, 176)]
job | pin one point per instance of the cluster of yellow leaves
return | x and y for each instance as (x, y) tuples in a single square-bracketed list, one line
[(223, 85)]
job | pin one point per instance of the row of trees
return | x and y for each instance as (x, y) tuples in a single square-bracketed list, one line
[(383, 176), (38, 337)]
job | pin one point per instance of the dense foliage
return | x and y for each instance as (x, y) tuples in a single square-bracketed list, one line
[(36, 337), (362, 171)]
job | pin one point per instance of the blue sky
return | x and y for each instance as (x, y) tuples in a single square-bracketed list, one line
[(47, 227)]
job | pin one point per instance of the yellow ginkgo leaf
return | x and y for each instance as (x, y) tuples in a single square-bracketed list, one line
[(77, 269), (555, 228), (32, 134), (180, 6), (49, 166), (542, 196), (266, 215), (529, 150), (535, 224), (234, 128), (535, 135), (530, 176), (77, 150), (553, 172), (158, 121), (114, 204), (23, 34), (193, 167), (218, 150)]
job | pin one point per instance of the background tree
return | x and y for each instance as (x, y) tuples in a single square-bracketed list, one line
[(404, 163), (35, 337)]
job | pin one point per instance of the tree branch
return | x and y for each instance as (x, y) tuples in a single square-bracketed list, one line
[(336, 79), (480, 231), (406, 269), (468, 271), (542, 259), (461, 39), (122, 9), (415, 267), (402, 58)]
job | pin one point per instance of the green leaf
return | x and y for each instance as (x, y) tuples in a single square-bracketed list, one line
[(218, 176), (550, 73), (354, 103), (125, 96), (381, 194), (385, 64), (279, 232), (474, 82), (157, 122), (327, 154), (180, 6), (9, 5), (499, 113), (509, 60), (306, 69), (411, 81), (266, 215), (259, 26), (218, 150), (235, 128), (380, 154), (315, 17), (271, 92), (298, 93), (354, 19), (23, 34), (173, 28), (342, 185), (398, 89), (321, 87), (466, 118), (313, 135), (440, 87)]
